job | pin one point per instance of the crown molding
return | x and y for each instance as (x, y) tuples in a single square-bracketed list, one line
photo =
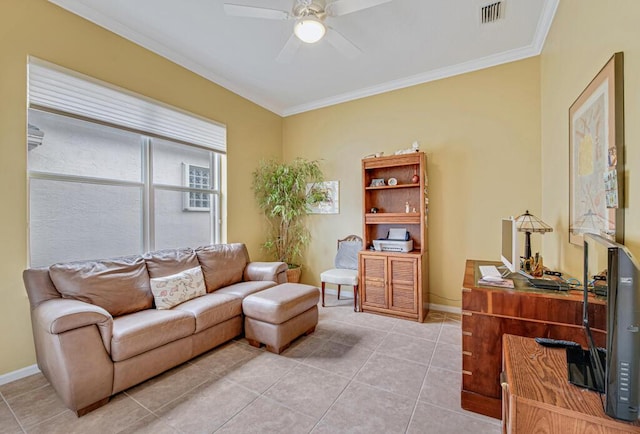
[(544, 25), (534, 49)]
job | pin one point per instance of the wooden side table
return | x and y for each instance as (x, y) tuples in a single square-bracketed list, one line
[(538, 398)]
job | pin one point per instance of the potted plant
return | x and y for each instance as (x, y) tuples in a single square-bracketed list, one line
[(282, 195)]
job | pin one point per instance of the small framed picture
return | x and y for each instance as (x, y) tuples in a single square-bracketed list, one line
[(377, 182)]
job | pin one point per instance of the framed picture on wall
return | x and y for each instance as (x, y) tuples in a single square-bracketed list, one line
[(596, 148), (331, 204)]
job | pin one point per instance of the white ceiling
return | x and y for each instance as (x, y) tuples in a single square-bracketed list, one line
[(403, 43)]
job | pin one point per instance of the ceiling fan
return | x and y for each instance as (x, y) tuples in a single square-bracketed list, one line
[(310, 24)]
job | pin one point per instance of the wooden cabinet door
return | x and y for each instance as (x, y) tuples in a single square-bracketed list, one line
[(403, 284), (373, 284)]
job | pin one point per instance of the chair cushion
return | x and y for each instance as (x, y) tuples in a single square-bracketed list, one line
[(222, 264), (243, 289), (339, 276), (347, 256), (119, 285), (212, 309), (142, 331), (170, 291)]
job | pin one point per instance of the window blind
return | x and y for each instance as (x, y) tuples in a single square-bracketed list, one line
[(59, 89)]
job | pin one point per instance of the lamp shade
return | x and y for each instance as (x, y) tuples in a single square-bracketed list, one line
[(309, 30), (529, 223)]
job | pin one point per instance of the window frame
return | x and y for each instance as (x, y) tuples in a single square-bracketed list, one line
[(188, 196), (146, 184)]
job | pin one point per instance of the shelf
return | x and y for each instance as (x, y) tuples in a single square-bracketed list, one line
[(392, 218), (388, 187)]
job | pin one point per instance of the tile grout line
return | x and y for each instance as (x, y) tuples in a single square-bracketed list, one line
[(12, 412), (424, 380), (351, 380)]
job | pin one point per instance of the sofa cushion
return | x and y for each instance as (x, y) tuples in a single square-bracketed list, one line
[(177, 288), (170, 261), (118, 285), (243, 289), (222, 264), (142, 331), (212, 309)]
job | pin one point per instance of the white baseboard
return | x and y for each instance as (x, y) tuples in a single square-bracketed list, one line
[(445, 308), (348, 293), (18, 374)]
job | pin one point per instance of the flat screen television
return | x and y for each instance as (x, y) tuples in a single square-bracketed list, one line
[(615, 370)]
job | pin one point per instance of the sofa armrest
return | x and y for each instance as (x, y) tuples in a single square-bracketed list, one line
[(275, 271), (62, 315), (72, 341)]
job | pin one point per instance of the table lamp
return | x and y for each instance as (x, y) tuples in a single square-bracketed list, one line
[(529, 223)]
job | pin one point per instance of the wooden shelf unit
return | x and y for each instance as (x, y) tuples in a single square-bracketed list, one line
[(393, 283)]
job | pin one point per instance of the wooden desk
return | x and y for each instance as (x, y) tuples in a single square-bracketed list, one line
[(538, 398), (489, 312)]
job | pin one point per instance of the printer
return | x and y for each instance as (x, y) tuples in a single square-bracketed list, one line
[(398, 240)]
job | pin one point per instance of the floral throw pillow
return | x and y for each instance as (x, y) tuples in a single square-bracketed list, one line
[(169, 291)]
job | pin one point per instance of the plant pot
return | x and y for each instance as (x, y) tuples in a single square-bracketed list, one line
[(293, 275)]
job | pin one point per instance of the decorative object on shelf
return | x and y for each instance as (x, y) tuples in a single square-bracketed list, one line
[(392, 181), (415, 178), (407, 209), (331, 191), (281, 193), (415, 147), (596, 163), (529, 223), (374, 210), (377, 182), (375, 155)]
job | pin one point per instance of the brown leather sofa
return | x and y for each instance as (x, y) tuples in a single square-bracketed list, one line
[(97, 330)]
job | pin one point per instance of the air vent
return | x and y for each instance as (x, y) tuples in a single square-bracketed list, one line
[(492, 12)]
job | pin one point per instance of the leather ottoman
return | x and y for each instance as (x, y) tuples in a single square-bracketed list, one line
[(278, 315)]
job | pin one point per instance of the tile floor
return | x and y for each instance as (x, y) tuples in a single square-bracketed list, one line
[(358, 373)]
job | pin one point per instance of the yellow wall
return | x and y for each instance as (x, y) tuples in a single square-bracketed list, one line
[(583, 37), (38, 28), (481, 134), (496, 142)]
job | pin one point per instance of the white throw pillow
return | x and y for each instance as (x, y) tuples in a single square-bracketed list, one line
[(170, 291)]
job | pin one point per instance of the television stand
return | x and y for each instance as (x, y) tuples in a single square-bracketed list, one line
[(537, 397)]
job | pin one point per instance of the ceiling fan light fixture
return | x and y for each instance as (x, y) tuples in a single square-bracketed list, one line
[(309, 30)]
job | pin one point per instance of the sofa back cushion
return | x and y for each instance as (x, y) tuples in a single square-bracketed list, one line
[(118, 285), (39, 286), (222, 264), (167, 262)]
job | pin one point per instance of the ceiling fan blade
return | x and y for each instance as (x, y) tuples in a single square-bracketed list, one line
[(343, 7), (342, 44), (254, 12), (289, 50)]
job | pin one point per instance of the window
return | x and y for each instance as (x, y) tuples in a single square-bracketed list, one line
[(98, 188), (196, 177)]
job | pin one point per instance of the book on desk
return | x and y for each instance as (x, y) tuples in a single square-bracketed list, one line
[(504, 283)]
